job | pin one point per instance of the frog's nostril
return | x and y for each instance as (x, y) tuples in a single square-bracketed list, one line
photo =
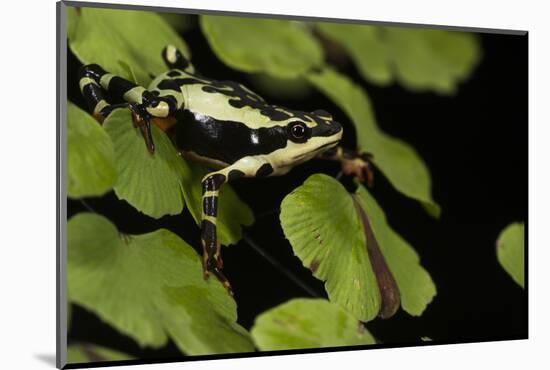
[(335, 127)]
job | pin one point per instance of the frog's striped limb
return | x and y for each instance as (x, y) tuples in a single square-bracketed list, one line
[(352, 162), (174, 59), (145, 105), (253, 166)]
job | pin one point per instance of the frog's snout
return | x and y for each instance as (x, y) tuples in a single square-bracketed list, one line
[(326, 126), (333, 129)]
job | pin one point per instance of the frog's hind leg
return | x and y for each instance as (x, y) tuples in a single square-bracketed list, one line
[(211, 184), (174, 59), (95, 81), (94, 96)]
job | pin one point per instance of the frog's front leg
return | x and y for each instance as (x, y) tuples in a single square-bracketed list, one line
[(353, 163), (211, 184), (144, 105)]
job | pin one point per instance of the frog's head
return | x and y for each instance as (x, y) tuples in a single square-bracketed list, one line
[(310, 134)]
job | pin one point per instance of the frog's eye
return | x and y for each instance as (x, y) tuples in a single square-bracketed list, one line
[(298, 132)]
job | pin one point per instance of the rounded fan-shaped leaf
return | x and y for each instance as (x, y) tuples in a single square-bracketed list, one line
[(280, 48), (321, 223), (511, 251), (308, 323), (150, 287), (420, 59), (326, 232), (90, 155), (365, 47), (149, 182), (415, 284), (435, 60), (116, 39)]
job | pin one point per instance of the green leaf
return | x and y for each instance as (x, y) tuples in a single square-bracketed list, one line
[(150, 183), (86, 352), (511, 250), (435, 60), (110, 37), (308, 323), (90, 155), (365, 47), (415, 284), (163, 183), (272, 87), (209, 321), (420, 59), (396, 159), (72, 13), (150, 287), (280, 48), (330, 241)]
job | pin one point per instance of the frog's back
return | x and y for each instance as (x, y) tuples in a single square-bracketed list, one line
[(219, 122), (221, 100)]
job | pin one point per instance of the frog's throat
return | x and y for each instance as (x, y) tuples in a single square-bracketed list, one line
[(319, 149)]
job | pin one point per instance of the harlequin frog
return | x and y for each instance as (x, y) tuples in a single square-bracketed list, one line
[(222, 124)]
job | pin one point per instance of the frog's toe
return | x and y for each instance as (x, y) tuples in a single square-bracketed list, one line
[(360, 169), (205, 268), (213, 267), (142, 120), (219, 263)]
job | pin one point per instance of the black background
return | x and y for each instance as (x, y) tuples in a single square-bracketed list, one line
[(475, 145)]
